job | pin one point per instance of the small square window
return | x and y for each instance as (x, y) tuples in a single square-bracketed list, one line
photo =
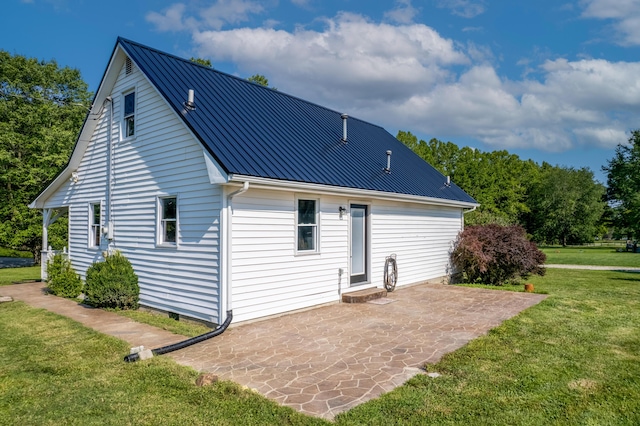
[(129, 114), (168, 220), (94, 229), (307, 226)]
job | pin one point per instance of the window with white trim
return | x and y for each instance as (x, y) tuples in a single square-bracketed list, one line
[(307, 225), (168, 232), (94, 225), (129, 114)]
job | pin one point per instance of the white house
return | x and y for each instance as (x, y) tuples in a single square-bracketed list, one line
[(226, 194)]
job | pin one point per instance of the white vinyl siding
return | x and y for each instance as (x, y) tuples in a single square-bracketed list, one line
[(268, 277), (163, 159), (421, 236)]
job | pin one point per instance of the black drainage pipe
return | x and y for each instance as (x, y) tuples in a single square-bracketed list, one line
[(188, 342)]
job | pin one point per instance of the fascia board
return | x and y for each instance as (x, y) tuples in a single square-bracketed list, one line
[(283, 185)]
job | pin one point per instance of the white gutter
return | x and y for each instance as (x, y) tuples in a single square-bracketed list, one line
[(471, 210), (228, 242), (354, 192)]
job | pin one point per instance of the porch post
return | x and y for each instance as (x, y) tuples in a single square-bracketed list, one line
[(44, 253)]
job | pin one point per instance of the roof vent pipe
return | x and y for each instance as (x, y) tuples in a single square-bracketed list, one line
[(388, 168), (190, 104), (448, 181), (344, 127)]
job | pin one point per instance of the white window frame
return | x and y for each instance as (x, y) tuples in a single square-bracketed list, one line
[(95, 227), (124, 126), (316, 226), (161, 221)]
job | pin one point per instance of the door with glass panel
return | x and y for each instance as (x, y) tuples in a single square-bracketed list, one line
[(359, 244)]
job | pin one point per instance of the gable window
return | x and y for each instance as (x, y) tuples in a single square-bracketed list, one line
[(307, 225), (94, 228), (168, 220), (129, 114)]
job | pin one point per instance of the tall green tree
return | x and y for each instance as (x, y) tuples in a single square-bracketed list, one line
[(42, 107), (205, 62), (261, 80), (566, 206), (499, 181), (623, 186)]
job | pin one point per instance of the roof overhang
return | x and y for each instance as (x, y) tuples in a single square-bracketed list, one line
[(284, 185), (88, 127)]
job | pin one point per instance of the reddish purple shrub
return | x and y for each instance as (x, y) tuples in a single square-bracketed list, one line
[(495, 254)]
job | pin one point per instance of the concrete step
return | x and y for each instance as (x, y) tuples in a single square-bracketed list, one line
[(362, 296)]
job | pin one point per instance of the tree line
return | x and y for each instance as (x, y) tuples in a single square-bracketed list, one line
[(555, 204), (43, 106)]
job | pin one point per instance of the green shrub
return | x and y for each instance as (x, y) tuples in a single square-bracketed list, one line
[(61, 278), (112, 283), (494, 254)]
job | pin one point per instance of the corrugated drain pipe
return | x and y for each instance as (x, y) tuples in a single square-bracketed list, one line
[(185, 343)]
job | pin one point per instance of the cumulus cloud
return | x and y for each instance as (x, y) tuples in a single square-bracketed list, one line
[(409, 77), (625, 15), (403, 13), (463, 8), (215, 16)]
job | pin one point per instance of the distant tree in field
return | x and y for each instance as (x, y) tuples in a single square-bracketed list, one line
[(42, 107), (623, 186), (205, 62), (567, 205)]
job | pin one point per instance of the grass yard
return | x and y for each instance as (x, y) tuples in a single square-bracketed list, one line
[(572, 359), (10, 275), (588, 255)]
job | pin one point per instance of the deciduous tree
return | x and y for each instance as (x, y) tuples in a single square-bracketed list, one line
[(623, 186), (42, 107)]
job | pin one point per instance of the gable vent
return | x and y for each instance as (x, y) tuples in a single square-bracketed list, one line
[(128, 66)]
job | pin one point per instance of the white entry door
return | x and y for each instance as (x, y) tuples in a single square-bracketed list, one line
[(359, 244)]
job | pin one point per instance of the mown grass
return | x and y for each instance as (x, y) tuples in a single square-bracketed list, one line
[(586, 255), (185, 328), (56, 371), (572, 359), (10, 275), (7, 252)]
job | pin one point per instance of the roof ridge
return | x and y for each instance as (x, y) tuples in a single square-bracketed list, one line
[(244, 80)]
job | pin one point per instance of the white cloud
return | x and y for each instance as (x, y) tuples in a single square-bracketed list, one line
[(403, 13), (171, 19), (463, 8), (216, 16), (409, 77), (625, 15)]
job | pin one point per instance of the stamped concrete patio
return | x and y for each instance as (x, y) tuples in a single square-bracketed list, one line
[(326, 360)]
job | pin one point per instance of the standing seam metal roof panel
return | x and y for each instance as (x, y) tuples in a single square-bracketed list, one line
[(256, 131)]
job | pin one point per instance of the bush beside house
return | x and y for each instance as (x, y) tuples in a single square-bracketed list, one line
[(62, 279), (112, 283), (495, 254)]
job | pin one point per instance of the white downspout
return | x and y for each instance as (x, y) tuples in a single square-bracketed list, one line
[(107, 213), (467, 211), (228, 251)]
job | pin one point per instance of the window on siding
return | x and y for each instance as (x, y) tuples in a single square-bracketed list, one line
[(94, 220), (129, 114), (307, 225), (168, 220)]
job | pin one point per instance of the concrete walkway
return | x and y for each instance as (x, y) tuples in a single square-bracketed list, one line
[(326, 360)]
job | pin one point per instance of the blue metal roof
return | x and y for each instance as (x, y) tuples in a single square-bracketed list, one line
[(256, 131)]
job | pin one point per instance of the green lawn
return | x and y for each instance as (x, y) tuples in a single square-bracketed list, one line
[(572, 359), (10, 275), (587, 255), (7, 252)]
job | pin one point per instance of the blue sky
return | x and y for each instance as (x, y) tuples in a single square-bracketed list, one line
[(555, 81)]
